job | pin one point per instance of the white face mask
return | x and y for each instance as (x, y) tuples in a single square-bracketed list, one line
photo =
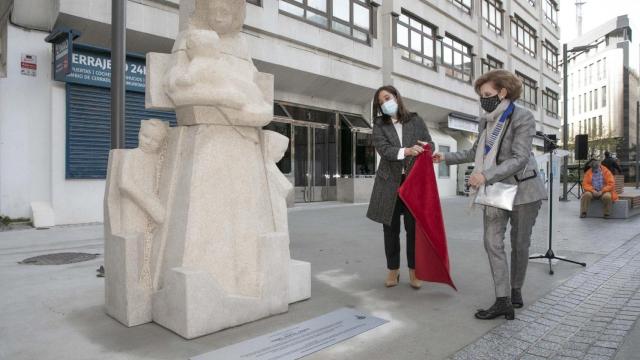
[(390, 107)]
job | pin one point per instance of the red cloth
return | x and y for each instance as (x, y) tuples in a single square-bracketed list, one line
[(420, 194)]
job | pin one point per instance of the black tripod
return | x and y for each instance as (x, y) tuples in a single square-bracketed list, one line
[(550, 254), (577, 183)]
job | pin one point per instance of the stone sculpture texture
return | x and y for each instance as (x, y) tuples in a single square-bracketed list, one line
[(196, 233)]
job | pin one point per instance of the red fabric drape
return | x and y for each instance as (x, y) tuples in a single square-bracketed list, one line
[(420, 194)]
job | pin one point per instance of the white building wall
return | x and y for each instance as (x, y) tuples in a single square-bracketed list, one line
[(25, 125)]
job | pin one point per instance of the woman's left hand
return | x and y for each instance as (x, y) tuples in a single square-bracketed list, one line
[(476, 180)]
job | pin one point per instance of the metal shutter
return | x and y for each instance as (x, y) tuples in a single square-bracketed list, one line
[(89, 128)]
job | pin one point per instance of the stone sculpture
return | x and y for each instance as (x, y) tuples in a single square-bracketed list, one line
[(211, 248), (134, 211)]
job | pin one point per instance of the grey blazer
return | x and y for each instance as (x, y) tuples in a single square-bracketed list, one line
[(389, 173), (513, 155)]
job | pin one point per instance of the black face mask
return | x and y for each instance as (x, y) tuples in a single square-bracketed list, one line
[(489, 104)]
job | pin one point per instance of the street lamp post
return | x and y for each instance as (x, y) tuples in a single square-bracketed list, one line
[(565, 125), (637, 144), (118, 69), (565, 112)]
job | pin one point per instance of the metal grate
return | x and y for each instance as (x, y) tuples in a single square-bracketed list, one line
[(58, 259)]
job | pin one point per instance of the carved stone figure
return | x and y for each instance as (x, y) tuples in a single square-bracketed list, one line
[(133, 211), (218, 254)]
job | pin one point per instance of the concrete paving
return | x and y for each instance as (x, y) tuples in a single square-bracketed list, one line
[(55, 312)]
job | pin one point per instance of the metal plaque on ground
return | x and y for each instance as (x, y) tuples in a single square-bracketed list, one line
[(300, 340)]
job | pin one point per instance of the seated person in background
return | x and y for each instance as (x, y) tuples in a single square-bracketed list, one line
[(600, 184), (611, 164)]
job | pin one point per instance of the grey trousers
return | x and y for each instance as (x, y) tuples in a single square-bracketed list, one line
[(523, 218)]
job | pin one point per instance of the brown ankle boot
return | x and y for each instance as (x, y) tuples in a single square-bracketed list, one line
[(413, 280), (393, 277)]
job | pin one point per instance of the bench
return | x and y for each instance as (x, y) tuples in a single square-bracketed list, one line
[(621, 209)]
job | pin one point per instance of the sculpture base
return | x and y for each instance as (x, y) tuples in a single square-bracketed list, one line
[(193, 305), (126, 300)]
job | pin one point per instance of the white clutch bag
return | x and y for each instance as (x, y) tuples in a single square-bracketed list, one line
[(498, 195)]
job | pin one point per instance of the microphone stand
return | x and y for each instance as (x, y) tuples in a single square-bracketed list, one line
[(550, 254)]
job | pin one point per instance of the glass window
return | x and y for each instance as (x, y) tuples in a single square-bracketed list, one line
[(492, 14), (590, 100), (529, 96), (604, 96), (357, 151), (443, 168), (550, 8), (365, 154), (490, 63), (579, 104), (571, 83), (604, 68), (415, 36), (357, 121), (456, 59), (600, 131), (595, 99), (346, 149), (550, 55), (341, 9), (465, 5), (352, 18), (524, 35), (599, 69), (550, 102), (579, 78)]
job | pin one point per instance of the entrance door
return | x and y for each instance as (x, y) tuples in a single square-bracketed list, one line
[(311, 163)]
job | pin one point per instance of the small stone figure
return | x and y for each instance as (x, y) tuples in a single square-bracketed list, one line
[(138, 182), (275, 146)]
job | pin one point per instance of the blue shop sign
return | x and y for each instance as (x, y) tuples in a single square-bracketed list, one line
[(62, 41), (92, 66)]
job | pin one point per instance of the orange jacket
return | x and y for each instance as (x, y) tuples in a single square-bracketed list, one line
[(609, 184)]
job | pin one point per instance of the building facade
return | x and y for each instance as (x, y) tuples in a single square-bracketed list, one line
[(603, 90), (328, 58)]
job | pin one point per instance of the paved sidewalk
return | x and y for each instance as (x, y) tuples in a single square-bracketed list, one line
[(56, 312), (588, 317)]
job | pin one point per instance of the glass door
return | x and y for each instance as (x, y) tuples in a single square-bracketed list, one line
[(320, 161), (301, 152), (311, 163)]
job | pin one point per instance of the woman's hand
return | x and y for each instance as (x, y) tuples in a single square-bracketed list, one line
[(438, 158), (415, 150), (476, 180)]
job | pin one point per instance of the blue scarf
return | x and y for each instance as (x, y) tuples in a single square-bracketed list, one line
[(497, 131), (597, 180)]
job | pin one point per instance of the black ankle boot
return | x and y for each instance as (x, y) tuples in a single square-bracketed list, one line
[(502, 307), (516, 298)]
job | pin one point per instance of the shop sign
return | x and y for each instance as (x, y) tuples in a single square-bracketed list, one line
[(28, 65), (62, 41), (92, 66), (462, 124)]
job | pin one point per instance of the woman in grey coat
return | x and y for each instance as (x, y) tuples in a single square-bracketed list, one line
[(503, 153), (396, 133)]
